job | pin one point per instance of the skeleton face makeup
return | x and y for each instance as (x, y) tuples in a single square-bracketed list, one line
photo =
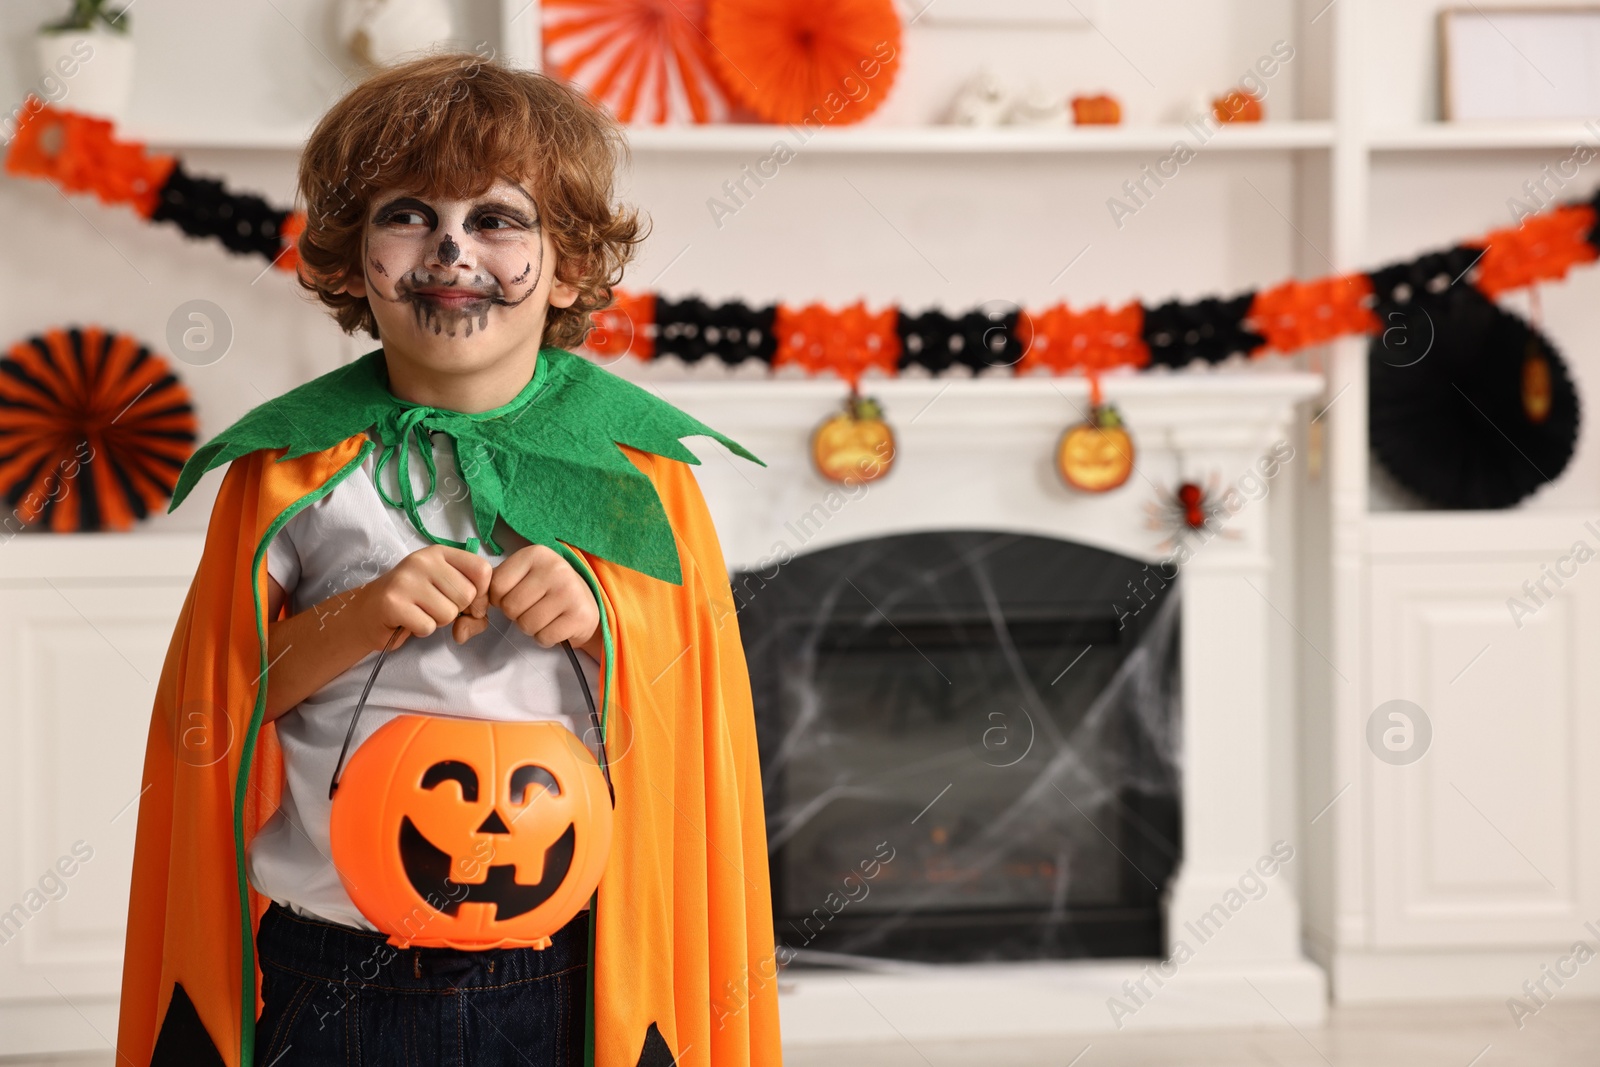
[(457, 267)]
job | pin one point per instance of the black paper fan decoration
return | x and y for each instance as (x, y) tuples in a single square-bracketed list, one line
[(94, 429), (1470, 406)]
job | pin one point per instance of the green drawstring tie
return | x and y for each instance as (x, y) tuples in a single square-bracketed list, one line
[(398, 429), (474, 433)]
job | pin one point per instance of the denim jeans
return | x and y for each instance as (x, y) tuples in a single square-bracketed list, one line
[(337, 995)]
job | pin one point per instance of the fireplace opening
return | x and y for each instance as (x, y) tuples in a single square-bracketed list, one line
[(969, 747)]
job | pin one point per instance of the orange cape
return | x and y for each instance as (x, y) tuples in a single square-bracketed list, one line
[(682, 970)]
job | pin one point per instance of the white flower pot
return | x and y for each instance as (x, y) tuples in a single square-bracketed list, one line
[(89, 71)]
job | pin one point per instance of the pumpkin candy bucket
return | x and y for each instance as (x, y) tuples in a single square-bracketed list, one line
[(470, 833)]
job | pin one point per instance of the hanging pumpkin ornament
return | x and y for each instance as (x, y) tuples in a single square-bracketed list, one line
[(1536, 388), (854, 446), (1096, 456)]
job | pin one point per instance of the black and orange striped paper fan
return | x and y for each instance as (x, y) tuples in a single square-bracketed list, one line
[(94, 429)]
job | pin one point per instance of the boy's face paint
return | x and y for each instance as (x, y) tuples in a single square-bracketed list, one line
[(440, 271)]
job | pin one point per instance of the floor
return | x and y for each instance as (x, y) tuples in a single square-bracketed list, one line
[(1564, 1034), (1475, 1035)]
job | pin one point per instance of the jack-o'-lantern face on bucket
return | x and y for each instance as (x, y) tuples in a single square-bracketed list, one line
[(470, 834)]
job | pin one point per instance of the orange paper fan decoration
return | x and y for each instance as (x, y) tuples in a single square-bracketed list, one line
[(822, 62), (648, 60), (94, 429)]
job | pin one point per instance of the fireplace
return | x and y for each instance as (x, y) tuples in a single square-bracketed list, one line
[(995, 711), (939, 939)]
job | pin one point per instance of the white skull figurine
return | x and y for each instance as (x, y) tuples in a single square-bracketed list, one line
[(1039, 107), (379, 32), (982, 101)]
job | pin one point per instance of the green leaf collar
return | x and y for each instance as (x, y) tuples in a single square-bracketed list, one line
[(547, 461)]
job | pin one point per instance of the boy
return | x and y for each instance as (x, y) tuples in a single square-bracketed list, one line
[(461, 213)]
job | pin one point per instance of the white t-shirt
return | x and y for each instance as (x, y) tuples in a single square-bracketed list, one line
[(337, 543)]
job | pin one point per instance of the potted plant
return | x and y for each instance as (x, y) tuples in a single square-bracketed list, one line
[(86, 59)]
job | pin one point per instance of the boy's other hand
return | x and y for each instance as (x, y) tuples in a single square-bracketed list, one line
[(428, 589), (544, 596)]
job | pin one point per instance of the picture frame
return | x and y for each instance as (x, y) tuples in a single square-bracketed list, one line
[(1519, 63)]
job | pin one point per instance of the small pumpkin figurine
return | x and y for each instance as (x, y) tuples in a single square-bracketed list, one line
[(1536, 391), (470, 833), (1101, 110), (1240, 105), (854, 446), (1096, 456)]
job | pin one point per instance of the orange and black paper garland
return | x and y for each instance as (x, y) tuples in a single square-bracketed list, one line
[(80, 155), (1438, 425), (1285, 318), (1409, 420)]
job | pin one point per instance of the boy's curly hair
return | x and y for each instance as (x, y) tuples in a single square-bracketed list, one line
[(449, 125)]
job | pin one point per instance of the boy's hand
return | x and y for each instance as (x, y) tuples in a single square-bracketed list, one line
[(547, 599), (428, 589)]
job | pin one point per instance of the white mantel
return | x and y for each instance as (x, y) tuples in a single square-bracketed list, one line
[(979, 454)]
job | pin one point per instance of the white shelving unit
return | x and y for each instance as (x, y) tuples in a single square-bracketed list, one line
[(862, 140), (1484, 136), (950, 140), (1456, 875)]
